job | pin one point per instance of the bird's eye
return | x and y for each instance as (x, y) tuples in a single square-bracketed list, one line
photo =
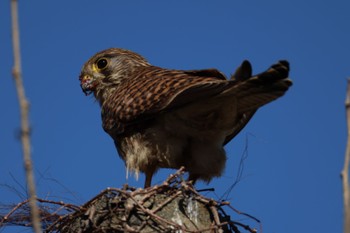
[(101, 63)]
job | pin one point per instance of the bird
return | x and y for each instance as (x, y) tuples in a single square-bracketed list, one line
[(168, 118)]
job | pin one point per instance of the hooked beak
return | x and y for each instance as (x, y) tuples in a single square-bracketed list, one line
[(87, 84)]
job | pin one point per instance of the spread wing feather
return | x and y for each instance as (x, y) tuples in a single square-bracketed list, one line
[(255, 91), (155, 90)]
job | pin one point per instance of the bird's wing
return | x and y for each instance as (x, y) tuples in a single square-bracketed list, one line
[(253, 92), (242, 121), (262, 88), (242, 73), (211, 73), (154, 90)]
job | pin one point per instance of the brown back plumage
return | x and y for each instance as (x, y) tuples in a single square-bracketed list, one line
[(171, 118)]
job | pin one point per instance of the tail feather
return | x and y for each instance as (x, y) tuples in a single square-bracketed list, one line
[(243, 72), (253, 92), (258, 90)]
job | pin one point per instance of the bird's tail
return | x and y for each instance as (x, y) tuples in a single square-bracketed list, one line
[(255, 91)]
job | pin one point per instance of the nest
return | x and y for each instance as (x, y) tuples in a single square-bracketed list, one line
[(173, 206)]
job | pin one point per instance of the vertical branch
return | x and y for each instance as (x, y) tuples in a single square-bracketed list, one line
[(24, 109), (345, 171)]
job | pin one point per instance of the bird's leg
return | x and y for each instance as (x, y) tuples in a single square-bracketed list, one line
[(148, 180)]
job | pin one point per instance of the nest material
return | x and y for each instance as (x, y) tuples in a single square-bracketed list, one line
[(174, 206)]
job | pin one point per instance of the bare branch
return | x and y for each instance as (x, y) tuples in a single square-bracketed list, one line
[(345, 171), (24, 109)]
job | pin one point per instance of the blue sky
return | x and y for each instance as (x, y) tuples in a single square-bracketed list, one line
[(295, 145)]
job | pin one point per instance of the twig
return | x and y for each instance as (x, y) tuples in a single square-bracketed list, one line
[(24, 109), (246, 227), (241, 213), (12, 211), (161, 220), (345, 171), (169, 199), (60, 203)]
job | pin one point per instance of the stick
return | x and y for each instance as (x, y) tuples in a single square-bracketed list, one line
[(24, 109)]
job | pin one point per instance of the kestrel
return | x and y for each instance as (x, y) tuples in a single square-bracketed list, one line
[(164, 118)]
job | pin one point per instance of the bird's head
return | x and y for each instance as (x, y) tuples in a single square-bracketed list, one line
[(107, 69)]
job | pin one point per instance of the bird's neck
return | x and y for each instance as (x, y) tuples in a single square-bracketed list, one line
[(101, 94)]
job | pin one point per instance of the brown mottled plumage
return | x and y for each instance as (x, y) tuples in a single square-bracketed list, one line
[(161, 118)]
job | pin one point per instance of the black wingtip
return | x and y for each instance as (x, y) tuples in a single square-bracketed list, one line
[(284, 63), (243, 72)]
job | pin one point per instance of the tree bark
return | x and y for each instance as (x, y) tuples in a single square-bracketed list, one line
[(345, 171)]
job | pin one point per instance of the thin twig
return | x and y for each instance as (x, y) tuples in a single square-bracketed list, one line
[(169, 199), (60, 203), (345, 171), (162, 221), (24, 109), (5, 218)]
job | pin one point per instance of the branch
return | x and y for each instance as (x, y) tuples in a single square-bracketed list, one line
[(24, 109), (345, 171)]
